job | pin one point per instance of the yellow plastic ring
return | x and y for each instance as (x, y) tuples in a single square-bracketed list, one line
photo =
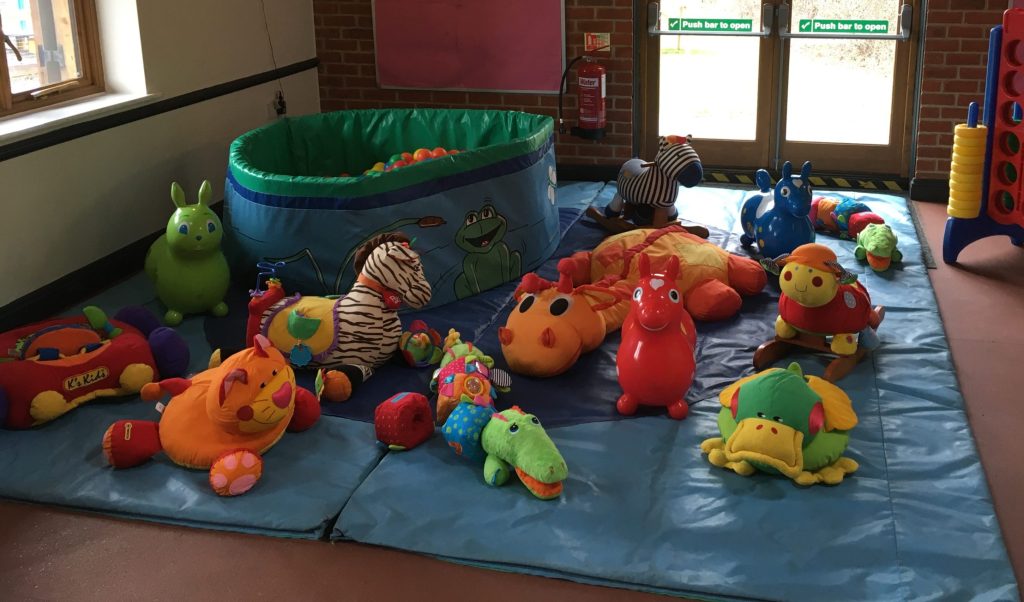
[(970, 206), (969, 140), (965, 195), (972, 179), (964, 131), (962, 214), (956, 189), (962, 160), (971, 154)]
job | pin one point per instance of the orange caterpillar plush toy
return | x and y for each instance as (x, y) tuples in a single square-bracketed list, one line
[(223, 419)]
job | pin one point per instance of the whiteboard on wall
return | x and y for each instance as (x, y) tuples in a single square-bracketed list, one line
[(473, 45)]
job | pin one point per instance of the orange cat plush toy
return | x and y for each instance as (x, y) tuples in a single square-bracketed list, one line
[(223, 419)]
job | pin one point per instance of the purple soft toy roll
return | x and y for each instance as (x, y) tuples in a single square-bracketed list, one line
[(139, 317), (170, 352)]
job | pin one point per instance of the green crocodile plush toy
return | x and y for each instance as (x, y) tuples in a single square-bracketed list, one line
[(876, 244), (506, 441)]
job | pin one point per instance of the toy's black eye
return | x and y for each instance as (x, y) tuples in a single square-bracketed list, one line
[(673, 296), (559, 306), (210, 226), (273, 373), (637, 293), (263, 385), (513, 428), (777, 419), (183, 229), (760, 414), (526, 303), (784, 191), (534, 420), (471, 218), (487, 212)]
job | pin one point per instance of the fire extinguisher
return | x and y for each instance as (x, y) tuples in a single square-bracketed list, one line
[(590, 99)]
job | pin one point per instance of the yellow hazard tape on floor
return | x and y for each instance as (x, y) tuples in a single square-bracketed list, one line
[(816, 181)]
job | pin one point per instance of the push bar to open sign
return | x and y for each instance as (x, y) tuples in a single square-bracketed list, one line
[(846, 26), (732, 25)]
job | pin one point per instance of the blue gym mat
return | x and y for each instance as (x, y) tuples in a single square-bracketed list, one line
[(642, 508), (307, 477)]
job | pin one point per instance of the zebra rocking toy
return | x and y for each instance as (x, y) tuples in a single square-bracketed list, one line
[(350, 335), (647, 191)]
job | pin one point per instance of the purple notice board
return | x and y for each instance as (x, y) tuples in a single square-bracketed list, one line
[(492, 45)]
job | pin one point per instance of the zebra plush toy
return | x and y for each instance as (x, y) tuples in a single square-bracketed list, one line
[(648, 191), (353, 334)]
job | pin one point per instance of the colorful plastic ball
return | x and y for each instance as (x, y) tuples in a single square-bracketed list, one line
[(453, 152), (399, 163), (407, 157), (421, 154), (395, 157), (438, 152), (345, 174), (378, 166)]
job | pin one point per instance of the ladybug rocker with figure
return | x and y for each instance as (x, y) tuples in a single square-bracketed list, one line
[(823, 308)]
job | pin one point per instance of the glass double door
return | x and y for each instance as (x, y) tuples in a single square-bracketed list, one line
[(760, 83)]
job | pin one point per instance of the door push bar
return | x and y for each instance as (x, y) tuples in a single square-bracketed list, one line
[(904, 25), (654, 21)]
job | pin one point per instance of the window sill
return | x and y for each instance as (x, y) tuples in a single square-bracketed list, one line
[(47, 119)]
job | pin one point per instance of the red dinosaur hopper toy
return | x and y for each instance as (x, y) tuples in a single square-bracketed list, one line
[(655, 361)]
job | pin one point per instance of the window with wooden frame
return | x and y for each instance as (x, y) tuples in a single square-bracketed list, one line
[(52, 53)]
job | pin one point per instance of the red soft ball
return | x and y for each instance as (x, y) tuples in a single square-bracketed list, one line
[(438, 152), (407, 157), (398, 164), (421, 154)]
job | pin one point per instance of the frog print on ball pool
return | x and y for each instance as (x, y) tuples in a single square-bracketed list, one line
[(488, 262)]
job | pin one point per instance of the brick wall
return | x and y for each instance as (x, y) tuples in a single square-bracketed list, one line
[(344, 42), (956, 49), (955, 58)]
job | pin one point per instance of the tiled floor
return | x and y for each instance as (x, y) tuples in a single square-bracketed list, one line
[(56, 555)]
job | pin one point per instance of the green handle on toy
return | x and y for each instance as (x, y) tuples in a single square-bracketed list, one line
[(98, 321), (301, 327)]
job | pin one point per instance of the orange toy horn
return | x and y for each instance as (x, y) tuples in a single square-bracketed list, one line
[(565, 284)]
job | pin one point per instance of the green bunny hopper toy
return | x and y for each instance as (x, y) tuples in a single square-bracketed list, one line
[(186, 264)]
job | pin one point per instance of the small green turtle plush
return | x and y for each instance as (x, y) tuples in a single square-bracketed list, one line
[(876, 244), (780, 421)]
